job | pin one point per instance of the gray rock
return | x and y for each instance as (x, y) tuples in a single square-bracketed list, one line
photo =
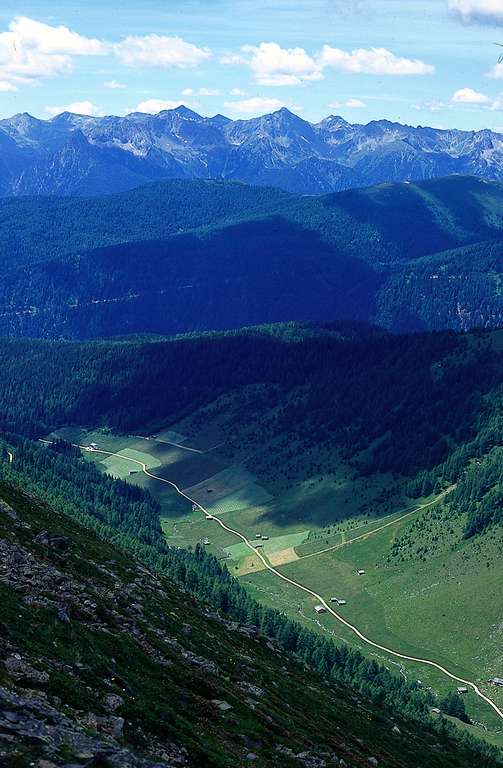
[(253, 690), (23, 672), (52, 541), (223, 706), (113, 702)]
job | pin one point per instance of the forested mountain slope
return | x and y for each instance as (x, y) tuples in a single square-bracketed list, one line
[(112, 662), (181, 256)]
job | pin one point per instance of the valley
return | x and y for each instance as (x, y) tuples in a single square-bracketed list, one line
[(251, 384), (393, 604)]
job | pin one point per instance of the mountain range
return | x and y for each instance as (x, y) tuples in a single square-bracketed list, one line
[(81, 155)]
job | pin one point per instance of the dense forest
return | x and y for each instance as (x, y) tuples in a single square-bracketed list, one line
[(218, 255), (59, 476), (425, 407)]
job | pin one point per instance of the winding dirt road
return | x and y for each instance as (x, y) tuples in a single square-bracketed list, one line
[(298, 585)]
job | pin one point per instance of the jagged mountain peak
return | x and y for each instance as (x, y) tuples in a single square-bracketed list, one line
[(188, 114), (277, 149)]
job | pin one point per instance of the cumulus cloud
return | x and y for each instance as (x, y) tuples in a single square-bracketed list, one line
[(469, 96), (159, 51), (256, 105), (31, 50), (77, 108), (273, 65), (276, 66), (58, 40), (477, 11), (461, 97), (238, 92), (153, 106), (373, 61)]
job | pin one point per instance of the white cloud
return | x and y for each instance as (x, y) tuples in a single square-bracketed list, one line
[(58, 40), (350, 103), (114, 85), (255, 105), (153, 106), (159, 51), (238, 92), (208, 92), (200, 92), (437, 106), (373, 61), (273, 65), (479, 11), (6, 87), (496, 72), (497, 103), (234, 59), (30, 50), (469, 96), (77, 108), (355, 104)]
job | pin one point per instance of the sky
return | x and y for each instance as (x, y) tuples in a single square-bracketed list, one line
[(420, 62)]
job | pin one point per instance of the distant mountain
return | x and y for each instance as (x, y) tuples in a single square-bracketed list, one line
[(79, 155), (180, 256)]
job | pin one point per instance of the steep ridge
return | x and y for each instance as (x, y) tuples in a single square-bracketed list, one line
[(105, 662)]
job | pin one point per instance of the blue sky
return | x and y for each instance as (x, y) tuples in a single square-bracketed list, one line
[(423, 62)]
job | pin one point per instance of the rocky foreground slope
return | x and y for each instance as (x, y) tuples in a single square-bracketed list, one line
[(104, 663)]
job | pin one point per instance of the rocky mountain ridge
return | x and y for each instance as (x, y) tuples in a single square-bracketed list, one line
[(80, 155)]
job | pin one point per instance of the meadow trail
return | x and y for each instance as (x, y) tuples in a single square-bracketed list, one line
[(298, 585), (345, 541)]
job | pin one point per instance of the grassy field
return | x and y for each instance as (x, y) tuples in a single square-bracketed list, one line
[(418, 596), (278, 550)]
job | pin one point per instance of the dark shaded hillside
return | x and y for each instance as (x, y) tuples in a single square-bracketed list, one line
[(401, 404), (37, 229), (214, 255), (459, 288), (245, 274), (104, 658), (411, 220)]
